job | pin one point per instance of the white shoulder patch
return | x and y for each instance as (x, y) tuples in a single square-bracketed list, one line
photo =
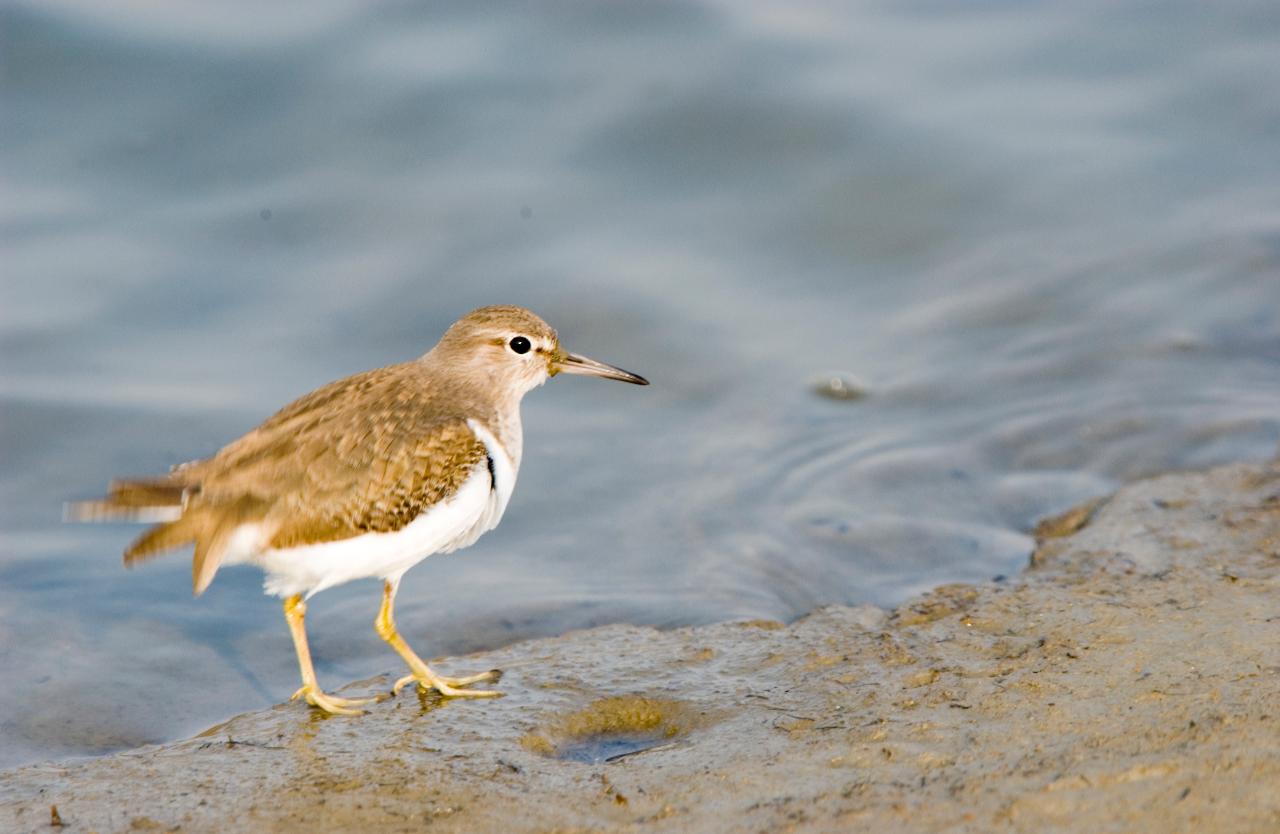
[(503, 480)]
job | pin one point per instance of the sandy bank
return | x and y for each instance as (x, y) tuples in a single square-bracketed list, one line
[(1129, 680)]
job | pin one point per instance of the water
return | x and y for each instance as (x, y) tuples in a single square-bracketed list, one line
[(1046, 240)]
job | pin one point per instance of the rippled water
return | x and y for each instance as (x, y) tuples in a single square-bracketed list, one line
[(1046, 240)]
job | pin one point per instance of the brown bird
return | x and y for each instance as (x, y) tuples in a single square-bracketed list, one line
[(364, 477)]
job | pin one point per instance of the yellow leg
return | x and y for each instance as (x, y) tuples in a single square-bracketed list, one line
[(422, 674), (295, 610)]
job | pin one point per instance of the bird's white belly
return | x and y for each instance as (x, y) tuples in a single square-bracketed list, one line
[(456, 522)]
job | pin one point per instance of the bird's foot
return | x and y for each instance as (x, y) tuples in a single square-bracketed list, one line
[(451, 687), (331, 703)]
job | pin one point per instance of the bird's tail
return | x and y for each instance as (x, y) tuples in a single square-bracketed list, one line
[(159, 501), (164, 502), (149, 500)]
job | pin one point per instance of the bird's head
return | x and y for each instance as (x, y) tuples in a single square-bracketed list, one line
[(511, 346)]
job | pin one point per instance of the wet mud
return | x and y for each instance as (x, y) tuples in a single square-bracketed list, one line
[(1128, 680)]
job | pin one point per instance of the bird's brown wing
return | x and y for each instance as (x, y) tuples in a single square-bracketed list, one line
[(375, 487), (364, 454)]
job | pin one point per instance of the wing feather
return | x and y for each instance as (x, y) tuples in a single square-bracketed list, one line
[(339, 500)]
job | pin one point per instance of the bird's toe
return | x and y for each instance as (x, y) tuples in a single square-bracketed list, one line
[(452, 687), (332, 704)]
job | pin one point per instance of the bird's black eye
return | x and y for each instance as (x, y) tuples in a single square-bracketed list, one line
[(520, 344)]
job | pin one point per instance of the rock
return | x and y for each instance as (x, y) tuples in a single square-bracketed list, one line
[(1130, 681), (837, 386)]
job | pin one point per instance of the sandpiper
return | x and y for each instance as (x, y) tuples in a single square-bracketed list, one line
[(364, 477)]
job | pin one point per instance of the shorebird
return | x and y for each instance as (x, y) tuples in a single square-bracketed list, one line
[(364, 477)]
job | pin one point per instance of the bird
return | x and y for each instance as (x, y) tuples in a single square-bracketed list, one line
[(361, 478)]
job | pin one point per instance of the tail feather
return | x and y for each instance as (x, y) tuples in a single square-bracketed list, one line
[(159, 539), (215, 535), (107, 510), (137, 499), (147, 492), (165, 502), (210, 535), (208, 556)]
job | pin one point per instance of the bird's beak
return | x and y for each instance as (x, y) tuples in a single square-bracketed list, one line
[(572, 363)]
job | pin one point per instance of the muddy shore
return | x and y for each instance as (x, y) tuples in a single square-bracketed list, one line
[(1128, 680)]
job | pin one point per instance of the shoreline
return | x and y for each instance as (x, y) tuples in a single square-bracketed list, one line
[(1128, 679)]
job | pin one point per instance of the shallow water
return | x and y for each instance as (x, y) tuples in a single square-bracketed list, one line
[(1046, 241)]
